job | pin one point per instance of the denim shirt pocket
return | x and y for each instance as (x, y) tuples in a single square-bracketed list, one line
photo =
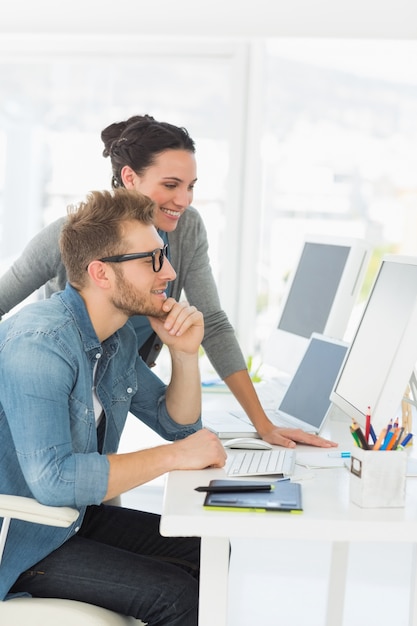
[(124, 387), (123, 390)]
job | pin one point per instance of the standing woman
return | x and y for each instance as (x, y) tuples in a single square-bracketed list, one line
[(158, 159)]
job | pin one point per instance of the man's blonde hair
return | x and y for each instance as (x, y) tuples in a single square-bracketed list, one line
[(94, 228)]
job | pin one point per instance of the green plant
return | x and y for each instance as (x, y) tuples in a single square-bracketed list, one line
[(254, 374)]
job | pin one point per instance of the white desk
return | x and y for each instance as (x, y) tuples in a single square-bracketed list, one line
[(328, 516)]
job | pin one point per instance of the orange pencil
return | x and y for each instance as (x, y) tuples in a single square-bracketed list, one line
[(398, 439), (380, 439), (395, 432)]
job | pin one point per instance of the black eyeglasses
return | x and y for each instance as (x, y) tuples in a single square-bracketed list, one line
[(157, 256)]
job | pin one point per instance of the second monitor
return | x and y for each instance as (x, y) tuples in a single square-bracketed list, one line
[(320, 297)]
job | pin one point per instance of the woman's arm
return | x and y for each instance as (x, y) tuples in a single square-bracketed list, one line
[(39, 263), (189, 257), (189, 250)]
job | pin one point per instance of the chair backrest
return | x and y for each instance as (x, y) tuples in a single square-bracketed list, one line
[(29, 510)]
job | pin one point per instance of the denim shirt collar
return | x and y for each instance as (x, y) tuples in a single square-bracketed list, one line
[(75, 304)]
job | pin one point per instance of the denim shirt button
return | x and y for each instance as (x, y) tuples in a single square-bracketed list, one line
[(76, 529), (129, 390), (98, 355)]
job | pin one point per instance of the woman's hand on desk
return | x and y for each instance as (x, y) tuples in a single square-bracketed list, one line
[(289, 437)]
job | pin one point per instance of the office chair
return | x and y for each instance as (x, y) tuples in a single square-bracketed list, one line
[(49, 611)]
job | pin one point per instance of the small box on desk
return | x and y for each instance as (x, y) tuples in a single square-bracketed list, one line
[(377, 478)]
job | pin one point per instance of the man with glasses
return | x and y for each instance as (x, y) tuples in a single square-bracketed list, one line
[(73, 373)]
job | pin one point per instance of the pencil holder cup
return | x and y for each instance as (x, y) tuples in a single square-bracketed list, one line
[(377, 478)]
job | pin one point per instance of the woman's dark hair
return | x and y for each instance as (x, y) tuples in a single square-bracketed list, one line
[(138, 141)]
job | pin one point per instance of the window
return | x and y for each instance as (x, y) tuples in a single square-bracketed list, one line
[(293, 137), (339, 153), (56, 99)]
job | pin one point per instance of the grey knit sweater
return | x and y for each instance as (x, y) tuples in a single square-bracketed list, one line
[(40, 265)]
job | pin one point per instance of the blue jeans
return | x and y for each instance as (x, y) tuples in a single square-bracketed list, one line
[(119, 560)]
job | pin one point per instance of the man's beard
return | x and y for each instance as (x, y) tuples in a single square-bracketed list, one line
[(130, 303)]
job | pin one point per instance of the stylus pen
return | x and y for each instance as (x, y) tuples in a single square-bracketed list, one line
[(234, 488)]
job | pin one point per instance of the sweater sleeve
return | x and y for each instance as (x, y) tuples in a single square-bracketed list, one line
[(190, 258), (39, 263)]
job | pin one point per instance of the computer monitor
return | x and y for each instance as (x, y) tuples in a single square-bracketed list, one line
[(320, 297), (382, 355)]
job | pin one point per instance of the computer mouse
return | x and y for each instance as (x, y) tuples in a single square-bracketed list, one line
[(248, 443)]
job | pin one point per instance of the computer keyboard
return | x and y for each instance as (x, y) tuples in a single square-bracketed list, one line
[(261, 463)]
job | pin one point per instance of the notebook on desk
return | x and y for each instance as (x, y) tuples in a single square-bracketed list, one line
[(306, 401)]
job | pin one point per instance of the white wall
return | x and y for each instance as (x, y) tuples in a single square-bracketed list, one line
[(301, 18)]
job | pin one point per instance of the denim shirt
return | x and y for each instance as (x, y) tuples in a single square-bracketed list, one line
[(48, 437)]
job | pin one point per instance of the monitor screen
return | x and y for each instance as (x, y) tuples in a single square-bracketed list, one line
[(383, 352), (308, 395), (313, 289), (320, 297)]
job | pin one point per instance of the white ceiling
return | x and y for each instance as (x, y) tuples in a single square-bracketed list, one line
[(214, 18)]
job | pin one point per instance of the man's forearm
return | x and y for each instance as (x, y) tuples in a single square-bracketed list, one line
[(183, 396), (197, 451), (132, 469)]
